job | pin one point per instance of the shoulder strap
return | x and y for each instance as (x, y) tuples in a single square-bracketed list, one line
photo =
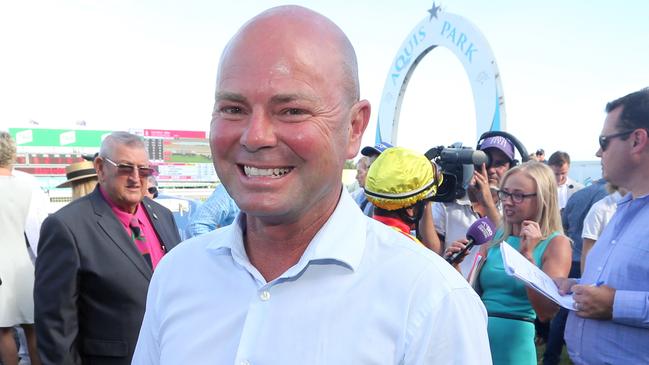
[(539, 251)]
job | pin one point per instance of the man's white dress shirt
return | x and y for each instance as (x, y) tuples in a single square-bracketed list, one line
[(362, 293)]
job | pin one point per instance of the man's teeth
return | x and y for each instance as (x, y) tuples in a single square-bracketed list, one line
[(276, 172)]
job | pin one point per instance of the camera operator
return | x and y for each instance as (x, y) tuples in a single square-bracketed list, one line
[(400, 184), (454, 218)]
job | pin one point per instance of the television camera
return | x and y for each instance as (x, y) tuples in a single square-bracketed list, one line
[(458, 162)]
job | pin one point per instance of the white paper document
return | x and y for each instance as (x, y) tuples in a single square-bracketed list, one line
[(518, 266)]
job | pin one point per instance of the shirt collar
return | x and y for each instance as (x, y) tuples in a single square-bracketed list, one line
[(341, 240), (629, 197), (464, 200)]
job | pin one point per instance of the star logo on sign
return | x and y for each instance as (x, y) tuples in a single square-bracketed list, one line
[(433, 11)]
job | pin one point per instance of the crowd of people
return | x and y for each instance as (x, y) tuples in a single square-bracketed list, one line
[(285, 266)]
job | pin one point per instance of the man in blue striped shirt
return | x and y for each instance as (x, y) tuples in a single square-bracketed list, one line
[(610, 324)]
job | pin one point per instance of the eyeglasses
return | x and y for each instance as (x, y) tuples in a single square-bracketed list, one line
[(517, 197), (605, 140), (127, 169)]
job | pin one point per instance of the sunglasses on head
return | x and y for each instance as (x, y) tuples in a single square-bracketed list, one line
[(127, 169), (605, 140)]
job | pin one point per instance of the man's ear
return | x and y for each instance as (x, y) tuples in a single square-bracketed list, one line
[(99, 167), (360, 117), (640, 140)]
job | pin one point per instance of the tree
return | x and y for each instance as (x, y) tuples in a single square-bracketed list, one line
[(349, 164)]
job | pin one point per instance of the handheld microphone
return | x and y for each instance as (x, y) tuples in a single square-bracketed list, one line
[(480, 232)]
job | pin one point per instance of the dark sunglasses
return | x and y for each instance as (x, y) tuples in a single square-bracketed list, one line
[(153, 190), (605, 140), (517, 197), (127, 169)]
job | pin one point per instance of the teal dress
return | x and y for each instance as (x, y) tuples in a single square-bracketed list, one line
[(511, 316)]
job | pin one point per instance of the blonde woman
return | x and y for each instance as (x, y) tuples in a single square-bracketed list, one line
[(81, 177), (530, 223)]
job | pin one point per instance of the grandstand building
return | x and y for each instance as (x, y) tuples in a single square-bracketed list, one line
[(181, 158)]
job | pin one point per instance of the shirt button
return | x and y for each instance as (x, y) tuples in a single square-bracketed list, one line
[(244, 362), (613, 242), (599, 268), (264, 295)]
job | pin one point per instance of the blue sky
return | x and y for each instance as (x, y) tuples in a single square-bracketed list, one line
[(152, 64)]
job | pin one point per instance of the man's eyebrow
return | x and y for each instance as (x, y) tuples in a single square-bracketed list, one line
[(224, 95), (286, 98), (275, 99)]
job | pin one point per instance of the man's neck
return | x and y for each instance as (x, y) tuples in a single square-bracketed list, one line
[(637, 181), (640, 189), (273, 248)]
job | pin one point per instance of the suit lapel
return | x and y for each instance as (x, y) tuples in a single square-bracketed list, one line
[(160, 225), (116, 233), (157, 226)]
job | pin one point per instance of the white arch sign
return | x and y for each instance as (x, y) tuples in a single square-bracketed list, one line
[(469, 46)]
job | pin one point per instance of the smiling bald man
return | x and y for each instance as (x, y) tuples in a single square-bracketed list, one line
[(301, 276)]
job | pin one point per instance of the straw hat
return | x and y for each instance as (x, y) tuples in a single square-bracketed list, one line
[(400, 178), (78, 171)]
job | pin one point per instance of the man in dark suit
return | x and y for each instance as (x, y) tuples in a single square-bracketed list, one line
[(95, 260)]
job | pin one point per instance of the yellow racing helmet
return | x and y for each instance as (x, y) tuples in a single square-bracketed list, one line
[(400, 178)]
